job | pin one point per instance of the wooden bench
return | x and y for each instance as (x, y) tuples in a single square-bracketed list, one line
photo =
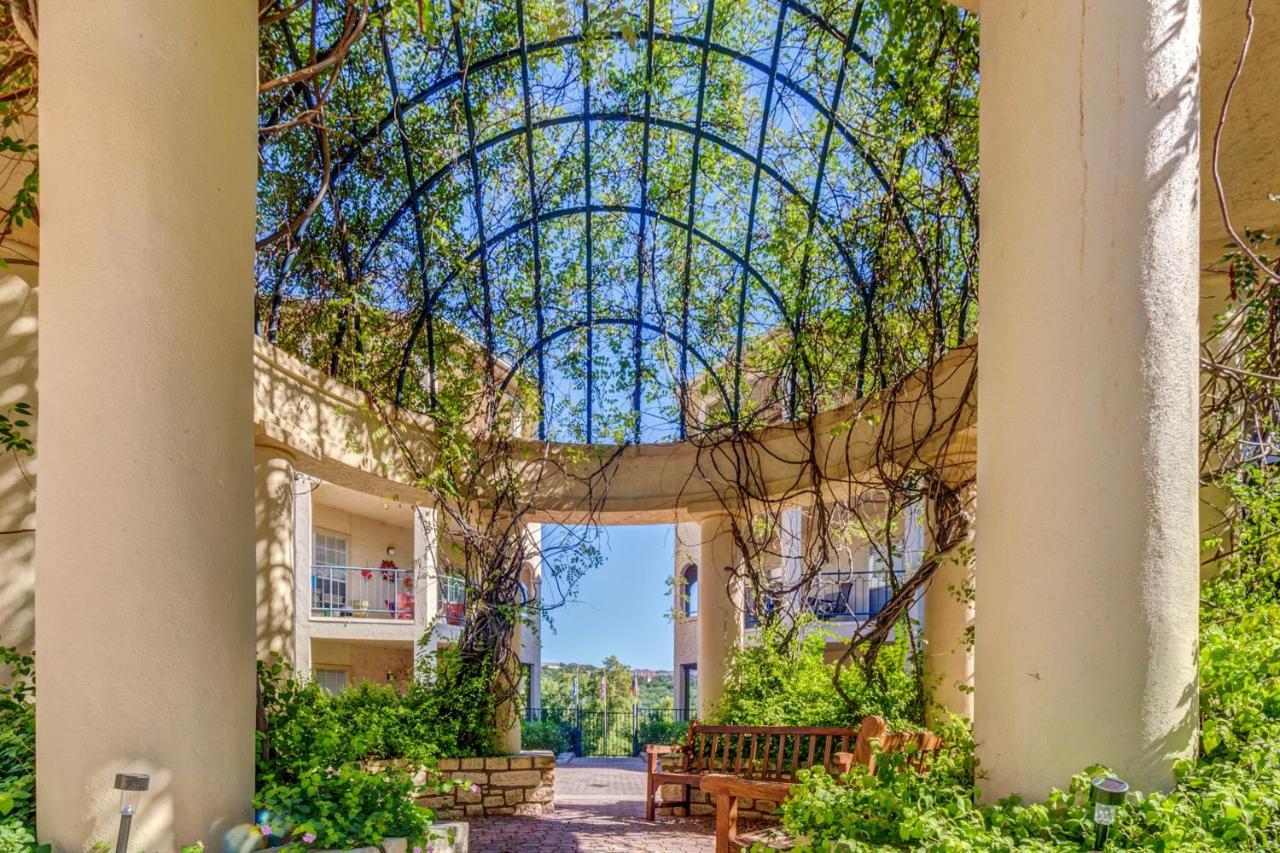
[(726, 789), (761, 753)]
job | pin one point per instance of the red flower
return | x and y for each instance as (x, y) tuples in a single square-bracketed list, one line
[(366, 574)]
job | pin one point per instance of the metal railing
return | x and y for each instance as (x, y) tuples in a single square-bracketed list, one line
[(840, 597), (615, 733), (362, 592)]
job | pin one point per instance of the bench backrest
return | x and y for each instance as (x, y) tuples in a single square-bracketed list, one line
[(776, 753), (764, 752)]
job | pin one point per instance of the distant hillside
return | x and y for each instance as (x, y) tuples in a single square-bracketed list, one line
[(655, 687)]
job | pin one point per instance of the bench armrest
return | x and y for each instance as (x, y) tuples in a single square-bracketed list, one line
[(660, 748), (714, 784)]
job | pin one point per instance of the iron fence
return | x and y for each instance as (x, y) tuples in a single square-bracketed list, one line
[(615, 733)]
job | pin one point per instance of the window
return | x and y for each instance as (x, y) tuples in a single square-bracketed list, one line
[(329, 575), (331, 550), (688, 691), (333, 680), (689, 590), (453, 599)]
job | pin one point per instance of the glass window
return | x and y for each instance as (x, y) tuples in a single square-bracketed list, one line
[(689, 590), (330, 550), (689, 691), (332, 680)]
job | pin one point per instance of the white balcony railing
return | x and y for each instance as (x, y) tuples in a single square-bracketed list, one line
[(362, 592)]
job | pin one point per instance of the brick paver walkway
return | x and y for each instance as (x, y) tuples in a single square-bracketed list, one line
[(599, 807)]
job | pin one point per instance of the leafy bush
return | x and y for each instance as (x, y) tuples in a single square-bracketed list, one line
[(663, 731), (340, 770), (779, 683), (545, 734), (1229, 799), (17, 751)]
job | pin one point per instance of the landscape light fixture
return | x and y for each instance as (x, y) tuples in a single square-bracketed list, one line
[(130, 786), (1107, 794)]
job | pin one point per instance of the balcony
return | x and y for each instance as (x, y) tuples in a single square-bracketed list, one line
[(839, 597), (360, 592)]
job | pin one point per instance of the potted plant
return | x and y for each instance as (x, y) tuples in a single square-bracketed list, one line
[(361, 607)]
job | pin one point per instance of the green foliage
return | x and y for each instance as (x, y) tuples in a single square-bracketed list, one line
[(1229, 799), (663, 731), (777, 682), (545, 734), (342, 768), (17, 751)]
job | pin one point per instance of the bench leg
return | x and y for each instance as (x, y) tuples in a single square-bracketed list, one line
[(726, 823)]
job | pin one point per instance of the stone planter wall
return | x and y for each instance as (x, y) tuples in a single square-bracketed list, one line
[(701, 804), (521, 784)]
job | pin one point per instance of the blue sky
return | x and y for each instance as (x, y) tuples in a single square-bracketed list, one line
[(621, 606)]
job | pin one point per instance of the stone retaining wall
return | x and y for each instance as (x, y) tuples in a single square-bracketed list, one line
[(521, 784)]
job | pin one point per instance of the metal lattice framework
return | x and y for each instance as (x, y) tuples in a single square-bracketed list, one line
[(638, 214)]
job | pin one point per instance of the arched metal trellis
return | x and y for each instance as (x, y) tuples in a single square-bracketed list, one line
[(714, 287)]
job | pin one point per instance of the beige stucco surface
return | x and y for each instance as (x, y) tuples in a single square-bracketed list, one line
[(368, 660), (1087, 527), (18, 300), (145, 550)]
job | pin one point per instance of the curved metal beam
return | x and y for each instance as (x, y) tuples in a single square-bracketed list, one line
[(547, 216), (684, 345)]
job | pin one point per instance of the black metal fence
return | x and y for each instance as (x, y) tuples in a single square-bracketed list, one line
[(615, 733)]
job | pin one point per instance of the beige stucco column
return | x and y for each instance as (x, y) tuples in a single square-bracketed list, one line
[(273, 510), (719, 614), (426, 585), (948, 624), (1087, 528), (145, 542), (303, 542)]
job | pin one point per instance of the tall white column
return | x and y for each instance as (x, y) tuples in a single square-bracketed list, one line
[(426, 584), (273, 488), (719, 613), (948, 625), (145, 548), (1087, 529), (303, 539)]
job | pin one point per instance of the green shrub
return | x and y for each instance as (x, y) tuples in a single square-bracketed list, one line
[(1229, 799), (339, 770), (777, 683), (663, 732), (545, 734), (17, 751)]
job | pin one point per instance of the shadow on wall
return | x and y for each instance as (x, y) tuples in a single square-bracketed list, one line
[(17, 473)]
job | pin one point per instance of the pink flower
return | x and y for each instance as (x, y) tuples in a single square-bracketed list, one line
[(309, 837), (265, 829), (475, 789)]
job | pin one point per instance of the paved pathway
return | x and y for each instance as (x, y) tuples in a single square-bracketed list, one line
[(599, 807)]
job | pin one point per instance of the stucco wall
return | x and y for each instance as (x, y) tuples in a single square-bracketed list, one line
[(365, 661), (367, 538), (18, 300)]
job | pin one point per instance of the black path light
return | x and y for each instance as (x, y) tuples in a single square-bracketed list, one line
[(130, 786), (1107, 793)]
